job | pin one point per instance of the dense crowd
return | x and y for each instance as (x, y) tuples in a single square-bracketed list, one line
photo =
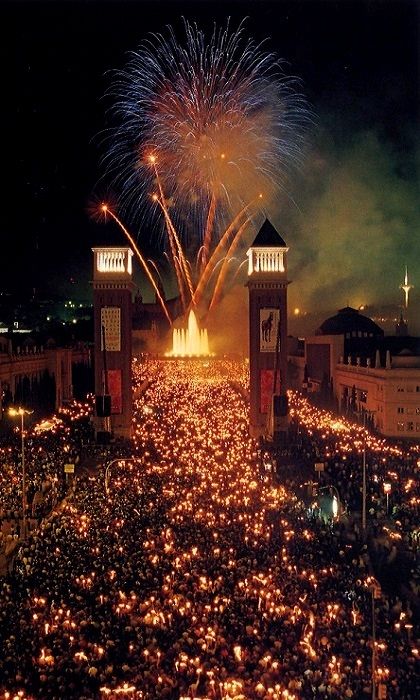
[(48, 446), (393, 521), (196, 575)]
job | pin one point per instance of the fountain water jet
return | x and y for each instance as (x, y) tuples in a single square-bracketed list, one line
[(191, 341)]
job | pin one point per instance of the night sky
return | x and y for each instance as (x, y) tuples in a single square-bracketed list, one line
[(352, 218)]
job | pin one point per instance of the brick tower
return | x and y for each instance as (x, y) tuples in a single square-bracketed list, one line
[(267, 285), (112, 305)]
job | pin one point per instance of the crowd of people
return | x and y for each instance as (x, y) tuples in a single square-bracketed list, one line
[(188, 573), (48, 445), (392, 485)]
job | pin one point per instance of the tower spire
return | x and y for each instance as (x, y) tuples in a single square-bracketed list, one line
[(406, 287)]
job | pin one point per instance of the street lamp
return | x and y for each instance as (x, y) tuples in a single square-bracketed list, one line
[(336, 506), (365, 413), (120, 461), (21, 412), (387, 491), (375, 591), (364, 488)]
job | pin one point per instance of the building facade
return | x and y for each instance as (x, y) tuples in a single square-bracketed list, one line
[(390, 395), (112, 301), (368, 375), (267, 285)]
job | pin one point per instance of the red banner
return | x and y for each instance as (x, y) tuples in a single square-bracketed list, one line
[(266, 388), (115, 390)]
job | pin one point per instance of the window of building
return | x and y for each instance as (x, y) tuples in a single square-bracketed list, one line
[(418, 411), (363, 396), (417, 427), (410, 425), (400, 388), (400, 427), (400, 409)]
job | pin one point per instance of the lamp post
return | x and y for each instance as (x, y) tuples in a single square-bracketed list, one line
[(364, 488), (365, 413), (375, 592), (117, 460), (337, 508), (387, 491), (21, 412)]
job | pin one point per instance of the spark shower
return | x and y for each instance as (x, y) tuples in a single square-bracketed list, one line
[(205, 131)]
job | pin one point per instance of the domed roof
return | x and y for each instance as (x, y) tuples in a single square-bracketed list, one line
[(405, 352), (349, 320)]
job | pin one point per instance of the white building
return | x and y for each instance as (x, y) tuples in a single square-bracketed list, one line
[(367, 372), (390, 394)]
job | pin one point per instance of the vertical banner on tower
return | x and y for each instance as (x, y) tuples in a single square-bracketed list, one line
[(111, 321), (115, 389), (267, 388), (269, 328)]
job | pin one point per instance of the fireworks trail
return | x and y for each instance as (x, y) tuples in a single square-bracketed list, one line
[(172, 233), (107, 210), (224, 123), (176, 252), (208, 233), (223, 271), (208, 270), (153, 264), (244, 262)]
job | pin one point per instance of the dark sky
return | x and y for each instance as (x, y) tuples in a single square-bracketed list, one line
[(359, 66)]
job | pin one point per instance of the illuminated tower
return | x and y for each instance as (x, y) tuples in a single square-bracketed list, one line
[(406, 287), (112, 302), (267, 284)]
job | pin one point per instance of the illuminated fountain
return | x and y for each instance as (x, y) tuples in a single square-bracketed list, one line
[(191, 341)]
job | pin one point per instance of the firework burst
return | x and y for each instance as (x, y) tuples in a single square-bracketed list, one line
[(202, 127)]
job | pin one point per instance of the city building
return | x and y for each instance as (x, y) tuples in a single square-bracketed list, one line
[(267, 287), (113, 308), (363, 372), (39, 377), (151, 330)]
